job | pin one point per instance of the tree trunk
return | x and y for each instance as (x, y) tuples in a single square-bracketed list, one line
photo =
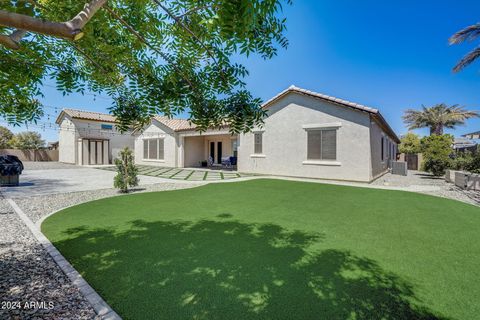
[(436, 130)]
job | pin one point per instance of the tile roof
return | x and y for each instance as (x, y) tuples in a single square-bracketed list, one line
[(87, 115), (295, 89), (175, 124)]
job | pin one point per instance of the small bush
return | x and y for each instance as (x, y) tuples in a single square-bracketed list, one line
[(474, 164), (126, 171), (462, 160), (436, 150)]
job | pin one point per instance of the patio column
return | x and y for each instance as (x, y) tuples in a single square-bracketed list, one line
[(79, 160), (181, 152)]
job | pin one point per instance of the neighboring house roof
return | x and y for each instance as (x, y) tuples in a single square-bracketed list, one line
[(461, 143), (473, 135), (86, 115), (374, 112), (175, 124)]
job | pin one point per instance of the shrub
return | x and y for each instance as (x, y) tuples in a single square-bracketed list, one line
[(126, 171), (462, 160), (474, 164), (436, 150)]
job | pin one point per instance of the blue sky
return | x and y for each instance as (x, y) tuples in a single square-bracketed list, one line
[(391, 55)]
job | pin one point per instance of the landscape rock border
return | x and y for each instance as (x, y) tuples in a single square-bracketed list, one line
[(99, 305)]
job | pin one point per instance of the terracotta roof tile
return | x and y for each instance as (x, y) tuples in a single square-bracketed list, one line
[(320, 96), (88, 115), (175, 124)]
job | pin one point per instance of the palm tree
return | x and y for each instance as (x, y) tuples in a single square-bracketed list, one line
[(437, 117), (468, 34)]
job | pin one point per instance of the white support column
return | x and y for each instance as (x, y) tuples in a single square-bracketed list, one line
[(85, 155), (181, 152), (79, 159), (106, 152)]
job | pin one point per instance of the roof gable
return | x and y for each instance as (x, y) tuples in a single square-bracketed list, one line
[(86, 115), (337, 101)]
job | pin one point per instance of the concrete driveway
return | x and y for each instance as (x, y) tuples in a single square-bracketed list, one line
[(64, 179)]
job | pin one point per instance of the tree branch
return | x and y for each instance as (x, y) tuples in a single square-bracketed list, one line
[(12, 41), (82, 18), (24, 22), (71, 30)]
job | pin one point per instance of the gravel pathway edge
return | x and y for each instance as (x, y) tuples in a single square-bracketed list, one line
[(99, 305)]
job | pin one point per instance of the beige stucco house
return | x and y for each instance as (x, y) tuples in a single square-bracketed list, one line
[(306, 134), (90, 138)]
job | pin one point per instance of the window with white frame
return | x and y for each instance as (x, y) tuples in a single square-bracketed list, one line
[(153, 149), (322, 144), (258, 142)]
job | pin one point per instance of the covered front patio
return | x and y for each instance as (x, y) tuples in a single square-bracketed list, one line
[(214, 150)]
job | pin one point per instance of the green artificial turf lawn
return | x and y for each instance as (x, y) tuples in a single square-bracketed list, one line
[(272, 249)]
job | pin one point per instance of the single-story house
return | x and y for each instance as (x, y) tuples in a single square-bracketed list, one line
[(305, 134)]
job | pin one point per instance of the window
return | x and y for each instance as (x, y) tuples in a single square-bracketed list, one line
[(153, 149), (322, 145), (258, 143), (383, 149), (107, 127)]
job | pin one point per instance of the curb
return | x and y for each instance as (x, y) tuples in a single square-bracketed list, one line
[(101, 308)]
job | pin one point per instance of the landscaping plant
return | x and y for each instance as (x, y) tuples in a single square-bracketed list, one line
[(474, 164), (127, 171), (462, 160), (436, 151)]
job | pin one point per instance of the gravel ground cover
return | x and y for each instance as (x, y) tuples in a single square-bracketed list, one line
[(30, 278), (425, 183)]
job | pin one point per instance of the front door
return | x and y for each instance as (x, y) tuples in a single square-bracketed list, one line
[(212, 151)]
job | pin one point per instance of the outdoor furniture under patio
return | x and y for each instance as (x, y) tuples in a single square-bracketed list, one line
[(229, 161)]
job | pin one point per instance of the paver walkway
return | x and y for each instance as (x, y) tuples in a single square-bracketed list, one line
[(184, 174)]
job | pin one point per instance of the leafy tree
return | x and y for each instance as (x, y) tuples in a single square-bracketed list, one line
[(436, 150), (5, 137), (438, 117), (28, 140), (151, 56), (470, 33), (409, 144), (126, 171)]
